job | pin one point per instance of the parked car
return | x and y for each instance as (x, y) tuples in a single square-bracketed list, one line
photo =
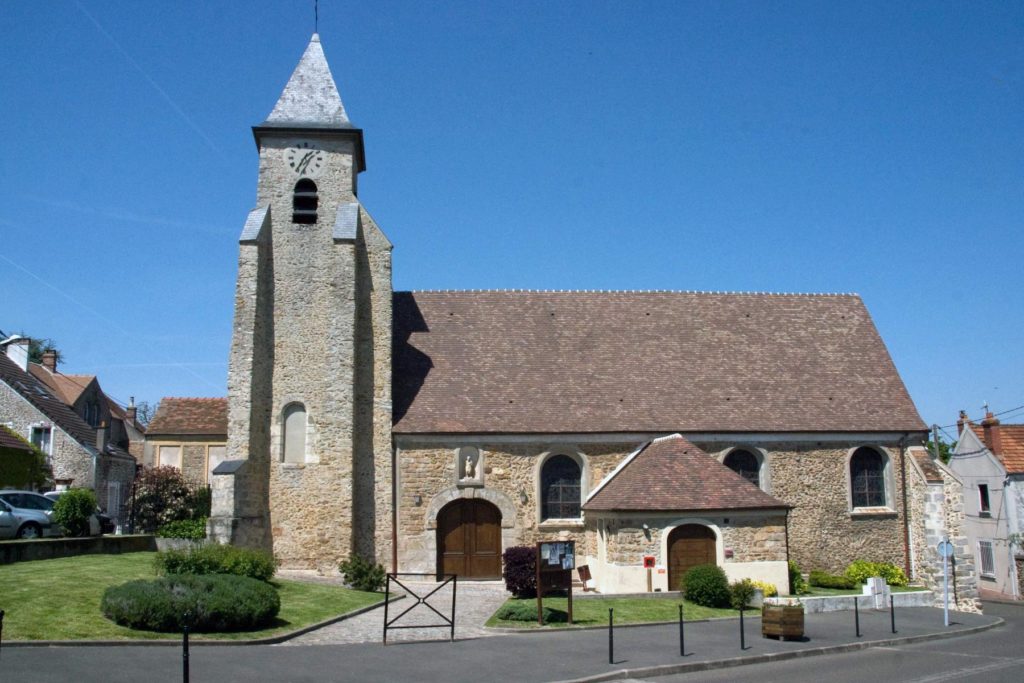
[(30, 500), (103, 522), (23, 522)]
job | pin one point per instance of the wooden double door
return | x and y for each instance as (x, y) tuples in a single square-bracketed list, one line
[(688, 546), (469, 539)]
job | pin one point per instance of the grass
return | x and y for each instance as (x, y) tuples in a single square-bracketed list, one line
[(59, 600), (594, 611)]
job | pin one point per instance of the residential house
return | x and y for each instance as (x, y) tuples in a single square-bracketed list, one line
[(190, 434)]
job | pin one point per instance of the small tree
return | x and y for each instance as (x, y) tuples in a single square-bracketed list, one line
[(520, 571), (73, 510)]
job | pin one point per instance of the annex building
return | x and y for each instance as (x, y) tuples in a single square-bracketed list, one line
[(432, 430)]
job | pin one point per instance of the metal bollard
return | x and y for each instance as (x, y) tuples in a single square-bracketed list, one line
[(856, 615), (682, 642), (184, 649), (611, 637), (743, 635), (892, 612), (1, 629)]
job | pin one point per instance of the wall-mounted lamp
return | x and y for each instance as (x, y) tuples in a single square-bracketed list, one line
[(523, 497), (417, 500), (647, 530), (645, 527)]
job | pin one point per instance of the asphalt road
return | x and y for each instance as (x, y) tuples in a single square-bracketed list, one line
[(993, 656)]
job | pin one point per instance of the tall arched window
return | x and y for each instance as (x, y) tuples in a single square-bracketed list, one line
[(560, 488), (745, 464), (867, 478), (304, 202), (293, 440)]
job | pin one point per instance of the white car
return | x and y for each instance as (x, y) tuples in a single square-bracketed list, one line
[(21, 522), (36, 502), (95, 520)]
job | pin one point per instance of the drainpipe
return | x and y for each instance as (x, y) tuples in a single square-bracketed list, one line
[(394, 509), (906, 517)]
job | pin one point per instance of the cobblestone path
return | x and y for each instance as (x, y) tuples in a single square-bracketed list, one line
[(475, 603)]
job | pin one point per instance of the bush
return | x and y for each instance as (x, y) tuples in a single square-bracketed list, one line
[(797, 585), (527, 611), (741, 593), (218, 559), (362, 574), (520, 572), (161, 495), (861, 570), (826, 580), (193, 529), (73, 510), (768, 590), (213, 603), (706, 585)]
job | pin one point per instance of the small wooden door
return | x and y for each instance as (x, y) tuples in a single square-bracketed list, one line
[(469, 540), (688, 546)]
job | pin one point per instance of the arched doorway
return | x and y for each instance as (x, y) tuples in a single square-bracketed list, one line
[(688, 546), (469, 539)]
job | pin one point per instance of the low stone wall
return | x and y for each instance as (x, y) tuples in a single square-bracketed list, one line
[(839, 603), (50, 548)]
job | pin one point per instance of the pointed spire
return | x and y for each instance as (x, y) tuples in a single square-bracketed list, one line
[(311, 98)]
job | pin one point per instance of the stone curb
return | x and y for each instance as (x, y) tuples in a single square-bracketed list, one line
[(531, 630), (166, 642), (669, 669)]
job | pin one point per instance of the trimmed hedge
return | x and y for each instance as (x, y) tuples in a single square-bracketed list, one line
[(192, 529), (707, 585), (527, 611), (362, 574), (213, 603), (218, 559), (826, 580), (520, 572), (861, 570)]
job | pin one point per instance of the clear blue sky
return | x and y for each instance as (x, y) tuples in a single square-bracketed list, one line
[(875, 148)]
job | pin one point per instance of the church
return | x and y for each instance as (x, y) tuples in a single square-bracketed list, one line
[(431, 430)]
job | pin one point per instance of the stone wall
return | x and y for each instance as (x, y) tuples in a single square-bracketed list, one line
[(194, 454)]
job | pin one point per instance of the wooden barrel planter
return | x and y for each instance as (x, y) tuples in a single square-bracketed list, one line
[(781, 621)]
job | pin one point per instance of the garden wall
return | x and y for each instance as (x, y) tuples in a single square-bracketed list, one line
[(50, 548)]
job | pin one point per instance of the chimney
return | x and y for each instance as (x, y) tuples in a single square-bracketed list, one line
[(131, 410), (993, 439), (50, 360), (960, 422), (102, 437), (17, 350)]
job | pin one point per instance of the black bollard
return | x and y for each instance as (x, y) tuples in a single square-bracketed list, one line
[(743, 636), (1, 629), (856, 616), (611, 637), (892, 612), (184, 649), (682, 642)]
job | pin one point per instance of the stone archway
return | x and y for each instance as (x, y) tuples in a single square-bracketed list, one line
[(469, 539), (689, 545)]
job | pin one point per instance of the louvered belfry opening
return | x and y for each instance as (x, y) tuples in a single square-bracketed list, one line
[(304, 202)]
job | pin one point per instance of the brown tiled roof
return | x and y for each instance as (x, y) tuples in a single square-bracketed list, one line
[(66, 387), (927, 464), (1012, 452), (190, 416), (42, 397), (671, 474), (520, 362), (10, 440)]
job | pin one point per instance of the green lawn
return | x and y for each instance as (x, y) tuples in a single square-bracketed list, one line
[(60, 599), (594, 611)]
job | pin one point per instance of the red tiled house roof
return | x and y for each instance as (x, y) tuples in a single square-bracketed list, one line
[(1010, 448), (671, 474), (585, 362), (178, 416)]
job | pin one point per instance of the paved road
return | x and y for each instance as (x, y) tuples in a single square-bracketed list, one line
[(995, 656)]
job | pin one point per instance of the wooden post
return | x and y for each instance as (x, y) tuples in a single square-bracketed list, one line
[(650, 585), (570, 596)]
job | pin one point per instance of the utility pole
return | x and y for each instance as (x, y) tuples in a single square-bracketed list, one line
[(935, 440)]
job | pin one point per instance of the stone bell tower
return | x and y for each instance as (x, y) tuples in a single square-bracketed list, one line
[(309, 376)]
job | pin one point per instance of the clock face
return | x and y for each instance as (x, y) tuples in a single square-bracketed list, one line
[(305, 160)]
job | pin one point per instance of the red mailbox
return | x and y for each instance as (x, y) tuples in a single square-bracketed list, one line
[(648, 561)]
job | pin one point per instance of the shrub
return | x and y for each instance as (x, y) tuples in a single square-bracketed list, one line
[(861, 570), (520, 572), (161, 495), (797, 585), (826, 580), (706, 585), (213, 603), (741, 593), (767, 589), (193, 529), (527, 611), (362, 574), (73, 510), (218, 559)]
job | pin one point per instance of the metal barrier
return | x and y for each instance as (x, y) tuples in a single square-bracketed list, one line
[(449, 622)]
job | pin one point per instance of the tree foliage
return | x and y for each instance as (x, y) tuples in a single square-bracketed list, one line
[(945, 449)]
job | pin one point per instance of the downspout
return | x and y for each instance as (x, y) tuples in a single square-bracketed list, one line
[(787, 538), (394, 509), (906, 516)]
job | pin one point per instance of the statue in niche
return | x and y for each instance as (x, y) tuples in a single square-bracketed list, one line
[(469, 464)]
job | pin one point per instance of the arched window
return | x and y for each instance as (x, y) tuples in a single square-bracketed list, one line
[(867, 478), (745, 464), (293, 440), (304, 202), (560, 488)]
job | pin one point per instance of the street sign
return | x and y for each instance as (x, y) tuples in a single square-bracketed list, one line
[(945, 549)]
